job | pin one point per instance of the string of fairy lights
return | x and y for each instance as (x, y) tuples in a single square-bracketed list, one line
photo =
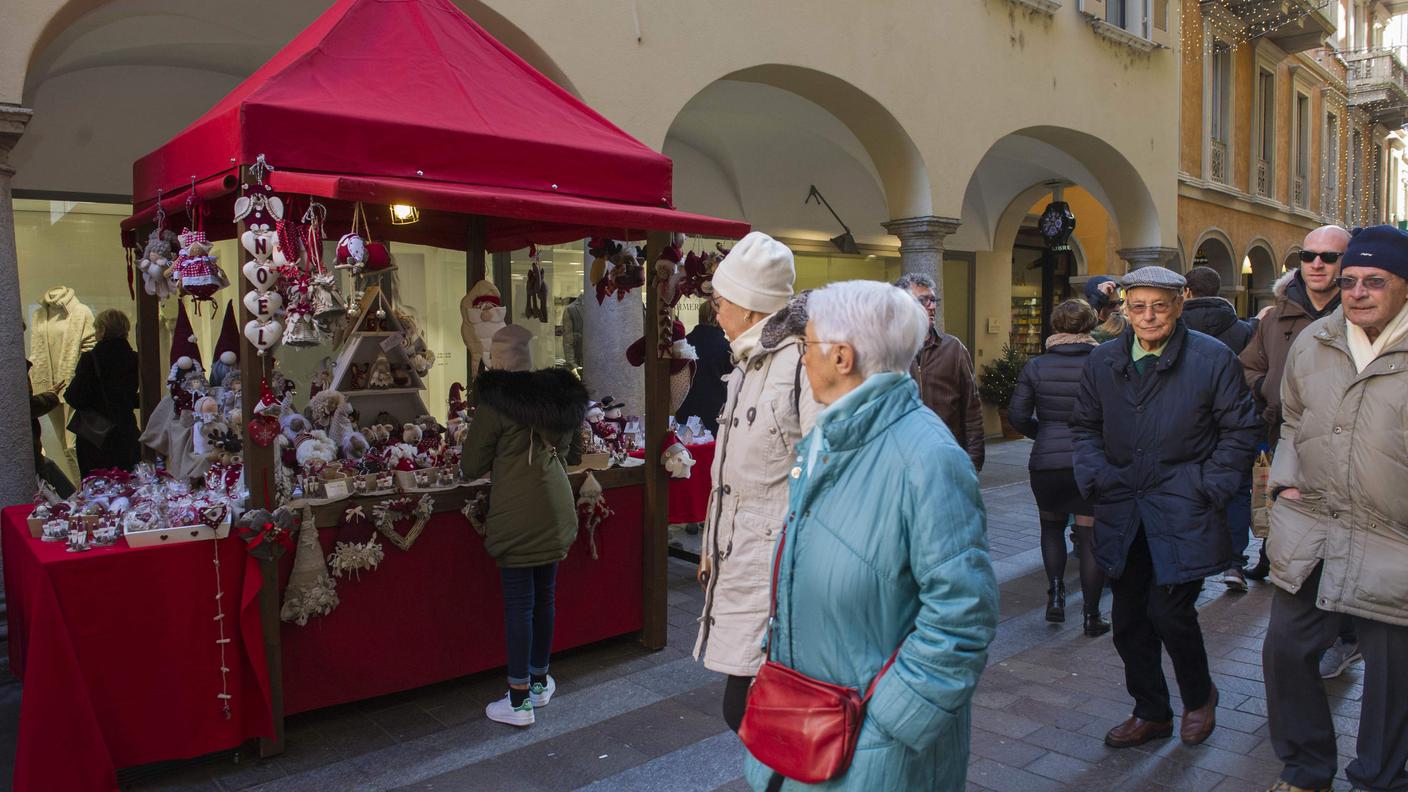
[(1234, 23)]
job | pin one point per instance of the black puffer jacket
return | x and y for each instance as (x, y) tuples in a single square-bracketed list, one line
[(1167, 450), (106, 383), (1042, 404), (1216, 317)]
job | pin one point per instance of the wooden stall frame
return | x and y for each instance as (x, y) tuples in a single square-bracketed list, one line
[(657, 481)]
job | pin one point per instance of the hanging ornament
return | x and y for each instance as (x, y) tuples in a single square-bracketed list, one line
[(263, 305), (261, 276), (592, 510), (263, 335)]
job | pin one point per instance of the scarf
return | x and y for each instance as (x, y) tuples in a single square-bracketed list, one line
[(1057, 339), (746, 344), (1363, 350)]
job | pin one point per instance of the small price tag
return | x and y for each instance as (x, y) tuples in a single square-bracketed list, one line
[(336, 490), (393, 341)]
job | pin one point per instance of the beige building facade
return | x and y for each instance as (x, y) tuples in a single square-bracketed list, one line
[(936, 131)]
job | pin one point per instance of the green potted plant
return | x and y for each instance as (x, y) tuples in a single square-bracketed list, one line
[(999, 381)]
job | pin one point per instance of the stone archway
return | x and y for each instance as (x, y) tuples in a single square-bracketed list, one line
[(1214, 249), (108, 85), (1258, 284)]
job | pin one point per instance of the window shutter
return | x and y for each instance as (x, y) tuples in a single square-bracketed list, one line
[(1095, 8), (1159, 23)]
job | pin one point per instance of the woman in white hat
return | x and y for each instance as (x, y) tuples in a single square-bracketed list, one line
[(768, 411)]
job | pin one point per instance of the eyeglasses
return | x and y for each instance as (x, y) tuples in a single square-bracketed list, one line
[(1372, 283), (1327, 256), (928, 300), (1160, 308), (807, 343)]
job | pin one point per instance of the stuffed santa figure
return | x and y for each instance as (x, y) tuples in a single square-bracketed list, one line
[(482, 313)]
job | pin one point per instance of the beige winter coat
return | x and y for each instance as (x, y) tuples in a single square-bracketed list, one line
[(1344, 445), (768, 411), (61, 329)]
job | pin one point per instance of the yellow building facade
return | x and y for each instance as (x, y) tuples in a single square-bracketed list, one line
[(1285, 131)]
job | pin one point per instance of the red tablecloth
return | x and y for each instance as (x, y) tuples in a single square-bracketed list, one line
[(689, 498), (435, 612), (117, 652)]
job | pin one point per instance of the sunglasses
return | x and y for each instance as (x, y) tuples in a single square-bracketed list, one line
[(1372, 283), (1327, 256)]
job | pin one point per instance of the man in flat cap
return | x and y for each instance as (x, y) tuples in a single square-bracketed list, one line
[(1164, 426)]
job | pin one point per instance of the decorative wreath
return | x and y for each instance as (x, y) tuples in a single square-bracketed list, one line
[(386, 514), (352, 558)]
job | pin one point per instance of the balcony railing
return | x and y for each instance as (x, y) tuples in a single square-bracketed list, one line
[(1219, 162), (1378, 83), (1263, 178), (1329, 199), (1298, 192), (1293, 25)]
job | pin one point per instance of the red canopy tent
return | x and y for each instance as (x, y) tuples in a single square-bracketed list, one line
[(411, 101)]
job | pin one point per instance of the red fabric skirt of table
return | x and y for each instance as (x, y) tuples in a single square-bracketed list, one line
[(118, 652), (689, 498), (435, 612)]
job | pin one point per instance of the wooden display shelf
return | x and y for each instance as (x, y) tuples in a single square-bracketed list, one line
[(379, 391)]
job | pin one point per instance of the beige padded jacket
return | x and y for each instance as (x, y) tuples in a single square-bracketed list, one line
[(768, 411), (1344, 445)]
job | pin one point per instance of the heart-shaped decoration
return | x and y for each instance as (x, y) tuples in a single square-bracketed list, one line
[(264, 305), (260, 242), (261, 276), (263, 429), (263, 335)]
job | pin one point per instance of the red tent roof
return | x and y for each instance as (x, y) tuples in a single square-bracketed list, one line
[(394, 93)]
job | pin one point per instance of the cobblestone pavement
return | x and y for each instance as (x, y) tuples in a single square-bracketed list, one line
[(627, 719)]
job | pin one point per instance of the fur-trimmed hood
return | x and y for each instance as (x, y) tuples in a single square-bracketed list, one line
[(790, 322), (549, 400)]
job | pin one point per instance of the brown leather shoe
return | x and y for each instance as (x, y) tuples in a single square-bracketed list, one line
[(1199, 723), (1137, 731)]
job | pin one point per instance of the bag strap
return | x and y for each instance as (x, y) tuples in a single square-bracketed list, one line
[(772, 621)]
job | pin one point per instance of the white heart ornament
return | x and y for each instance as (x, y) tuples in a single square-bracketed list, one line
[(263, 335), (264, 305), (260, 243), (260, 276)]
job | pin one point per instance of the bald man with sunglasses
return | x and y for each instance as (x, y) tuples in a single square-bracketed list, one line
[(1302, 296)]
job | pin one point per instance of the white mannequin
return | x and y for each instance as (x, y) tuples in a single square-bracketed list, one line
[(60, 330)]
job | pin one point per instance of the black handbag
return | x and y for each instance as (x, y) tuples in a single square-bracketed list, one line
[(89, 425)]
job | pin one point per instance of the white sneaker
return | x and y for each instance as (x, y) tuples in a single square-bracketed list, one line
[(541, 694), (503, 711)]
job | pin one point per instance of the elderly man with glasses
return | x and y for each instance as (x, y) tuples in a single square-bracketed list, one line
[(1164, 427), (1339, 527), (944, 370)]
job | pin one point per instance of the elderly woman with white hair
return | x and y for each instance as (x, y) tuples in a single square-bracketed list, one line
[(883, 557)]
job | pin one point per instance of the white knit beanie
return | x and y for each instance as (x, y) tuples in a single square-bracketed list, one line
[(757, 274)]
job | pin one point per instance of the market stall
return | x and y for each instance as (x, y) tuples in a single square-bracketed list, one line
[(345, 530)]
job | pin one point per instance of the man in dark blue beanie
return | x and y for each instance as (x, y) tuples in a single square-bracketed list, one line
[(1338, 543)]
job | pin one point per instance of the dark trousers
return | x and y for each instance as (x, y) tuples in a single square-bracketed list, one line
[(1302, 731), (528, 617), (1239, 522), (736, 699), (1148, 620)]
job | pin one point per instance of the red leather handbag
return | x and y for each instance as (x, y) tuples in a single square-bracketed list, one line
[(801, 727)]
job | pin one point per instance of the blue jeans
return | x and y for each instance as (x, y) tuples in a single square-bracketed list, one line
[(1239, 522), (528, 617)]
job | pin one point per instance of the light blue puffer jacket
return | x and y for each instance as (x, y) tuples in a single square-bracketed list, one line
[(886, 542)]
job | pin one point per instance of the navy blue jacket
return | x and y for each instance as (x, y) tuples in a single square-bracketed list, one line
[(1042, 404), (1165, 450), (1216, 317), (708, 392)]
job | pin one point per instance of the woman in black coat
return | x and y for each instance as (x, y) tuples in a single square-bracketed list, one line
[(105, 382), (1041, 405)]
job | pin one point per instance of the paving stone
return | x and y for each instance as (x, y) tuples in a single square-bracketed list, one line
[(1003, 722), (1071, 743), (1003, 750), (1001, 778)]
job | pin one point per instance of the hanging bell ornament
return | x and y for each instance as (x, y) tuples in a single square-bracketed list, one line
[(381, 313)]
